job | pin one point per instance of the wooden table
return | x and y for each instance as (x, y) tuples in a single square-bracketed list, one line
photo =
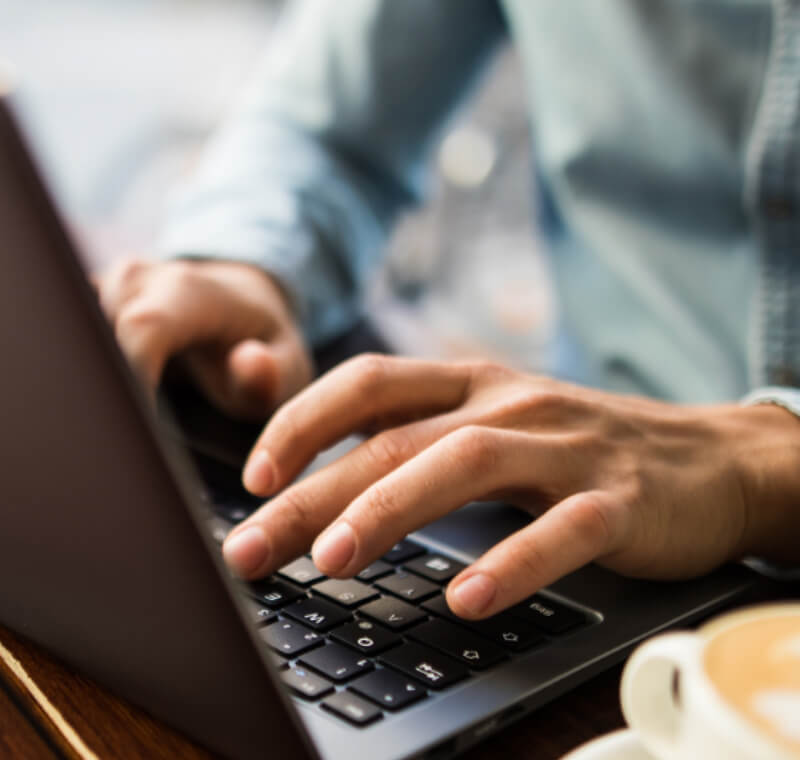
[(49, 712)]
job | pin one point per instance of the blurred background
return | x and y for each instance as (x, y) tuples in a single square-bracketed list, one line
[(120, 95)]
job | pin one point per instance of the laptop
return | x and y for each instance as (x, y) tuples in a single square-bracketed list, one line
[(109, 558)]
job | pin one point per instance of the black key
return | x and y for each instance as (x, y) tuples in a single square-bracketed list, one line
[(336, 662), (350, 593), (277, 660), (392, 613), (366, 637), (317, 613), (473, 651), (306, 684), (377, 569), (302, 571), (260, 615), (436, 671), (549, 616), (408, 586), (290, 639), (274, 593), (352, 708), (512, 633), (219, 528), (234, 509), (388, 689), (403, 551), (435, 567)]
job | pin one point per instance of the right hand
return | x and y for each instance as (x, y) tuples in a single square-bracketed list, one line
[(229, 323)]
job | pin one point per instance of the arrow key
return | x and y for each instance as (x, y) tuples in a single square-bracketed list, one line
[(388, 689), (473, 651)]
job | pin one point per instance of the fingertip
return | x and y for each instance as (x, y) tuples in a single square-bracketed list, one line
[(246, 551), (473, 596), (259, 473), (334, 549)]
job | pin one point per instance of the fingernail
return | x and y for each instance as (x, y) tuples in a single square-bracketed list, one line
[(246, 550), (259, 474), (475, 594), (334, 548)]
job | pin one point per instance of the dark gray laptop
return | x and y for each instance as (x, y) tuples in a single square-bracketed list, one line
[(109, 558)]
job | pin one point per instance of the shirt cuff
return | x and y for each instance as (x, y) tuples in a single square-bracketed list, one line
[(788, 398)]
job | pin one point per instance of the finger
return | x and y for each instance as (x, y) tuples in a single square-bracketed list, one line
[(250, 379), (464, 466), (121, 283), (285, 527), (579, 529), (357, 394)]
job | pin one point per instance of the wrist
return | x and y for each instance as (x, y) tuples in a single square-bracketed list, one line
[(768, 462)]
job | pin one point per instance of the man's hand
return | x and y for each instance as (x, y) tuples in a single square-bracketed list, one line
[(229, 323), (646, 488)]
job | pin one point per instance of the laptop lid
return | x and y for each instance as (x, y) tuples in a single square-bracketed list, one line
[(103, 559)]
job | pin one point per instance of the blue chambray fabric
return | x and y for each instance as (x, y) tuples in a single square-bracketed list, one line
[(665, 142)]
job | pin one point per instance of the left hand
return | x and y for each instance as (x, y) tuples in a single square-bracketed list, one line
[(646, 488)]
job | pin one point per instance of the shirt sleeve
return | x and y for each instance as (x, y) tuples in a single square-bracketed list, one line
[(789, 399), (329, 142)]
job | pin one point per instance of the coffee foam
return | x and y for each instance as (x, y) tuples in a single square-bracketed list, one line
[(755, 667)]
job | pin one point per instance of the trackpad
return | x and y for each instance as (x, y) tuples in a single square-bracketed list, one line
[(475, 528)]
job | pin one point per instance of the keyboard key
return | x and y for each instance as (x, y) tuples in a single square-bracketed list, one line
[(388, 689), (509, 632), (473, 651), (289, 638), (278, 660), (551, 617), (436, 671), (306, 684), (403, 551), (336, 662), (274, 593), (219, 528), (352, 708), (393, 613), (260, 615), (366, 637), (302, 571), (377, 569), (435, 567), (408, 586), (350, 593), (317, 613)]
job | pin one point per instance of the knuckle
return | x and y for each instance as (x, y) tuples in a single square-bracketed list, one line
[(474, 446), (387, 451), (141, 316), (369, 371), (592, 520), (129, 270)]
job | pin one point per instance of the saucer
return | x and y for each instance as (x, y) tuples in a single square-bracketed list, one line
[(621, 745)]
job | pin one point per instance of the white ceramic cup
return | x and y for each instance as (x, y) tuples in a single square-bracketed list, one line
[(730, 691)]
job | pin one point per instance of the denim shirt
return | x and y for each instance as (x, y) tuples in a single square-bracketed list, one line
[(665, 138)]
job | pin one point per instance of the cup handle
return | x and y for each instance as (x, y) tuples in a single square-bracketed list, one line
[(650, 700)]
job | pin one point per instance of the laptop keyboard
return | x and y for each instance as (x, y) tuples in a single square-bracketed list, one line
[(368, 647)]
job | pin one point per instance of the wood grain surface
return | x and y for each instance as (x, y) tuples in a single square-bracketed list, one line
[(85, 722)]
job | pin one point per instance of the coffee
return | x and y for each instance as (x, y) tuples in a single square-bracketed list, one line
[(755, 667)]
